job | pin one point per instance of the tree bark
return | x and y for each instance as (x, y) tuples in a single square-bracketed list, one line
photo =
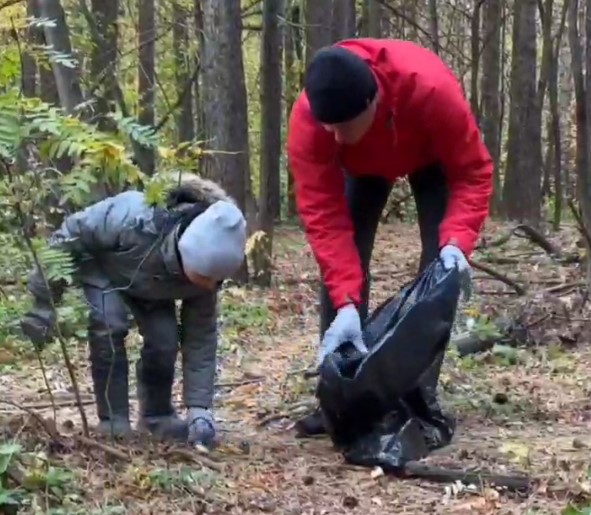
[(318, 18), (475, 56), (182, 72), (225, 102), (271, 97), (146, 76), (66, 79), (29, 72), (491, 101), (522, 187), (292, 61), (103, 59), (343, 19)]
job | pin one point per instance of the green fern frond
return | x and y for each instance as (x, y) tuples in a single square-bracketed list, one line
[(57, 264), (143, 134)]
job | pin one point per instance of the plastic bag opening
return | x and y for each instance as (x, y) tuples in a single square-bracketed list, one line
[(381, 408)]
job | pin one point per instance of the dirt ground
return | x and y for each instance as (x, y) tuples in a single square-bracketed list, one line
[(524, 409)]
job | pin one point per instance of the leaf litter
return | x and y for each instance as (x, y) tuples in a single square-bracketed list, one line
[(524, 408)]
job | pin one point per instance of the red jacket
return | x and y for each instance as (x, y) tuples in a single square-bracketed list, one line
[(422, 118)]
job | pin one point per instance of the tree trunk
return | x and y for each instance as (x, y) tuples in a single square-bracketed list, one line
[(103, 59), (58, 36), (293, 59), (374, 19), (475, 56), (271, 97), (318, 18), (146, 76), (182, 73), (225, 101), (343, 19), (491, 101), (522, 188), (583, 116), (555, 129), (199, 124), (434, 26), (585, 198), (29, 71)]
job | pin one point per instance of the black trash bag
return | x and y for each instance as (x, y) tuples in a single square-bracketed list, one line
[(381, 409)]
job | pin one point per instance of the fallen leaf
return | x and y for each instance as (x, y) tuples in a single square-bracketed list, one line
[(377, 472), (518, 451)]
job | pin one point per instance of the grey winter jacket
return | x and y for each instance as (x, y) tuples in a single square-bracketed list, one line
[(125, 244)]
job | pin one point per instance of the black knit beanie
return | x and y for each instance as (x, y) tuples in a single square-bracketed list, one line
[(339, 85)]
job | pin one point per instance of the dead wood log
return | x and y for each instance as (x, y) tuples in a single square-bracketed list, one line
[(520, 290), (525, 231), (520, 483)]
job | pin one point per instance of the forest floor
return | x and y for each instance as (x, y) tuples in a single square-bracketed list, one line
[(527, 408)]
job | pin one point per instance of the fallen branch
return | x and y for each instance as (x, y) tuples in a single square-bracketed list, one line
[(564, 288), (520, 290), (194, 457), (471, 343), (527, 232), (107, 449), (521, 483), (66, 403), (47, 425)]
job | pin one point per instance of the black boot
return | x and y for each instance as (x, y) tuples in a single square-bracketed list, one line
[(156, 412), (111, 391)]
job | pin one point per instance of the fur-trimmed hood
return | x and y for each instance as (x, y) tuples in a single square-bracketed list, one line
[(185, 189)]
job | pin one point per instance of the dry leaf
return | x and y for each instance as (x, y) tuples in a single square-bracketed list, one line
[(377, 472), (518, 451)]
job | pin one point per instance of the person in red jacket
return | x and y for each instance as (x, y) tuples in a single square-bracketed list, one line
[(373, 111)]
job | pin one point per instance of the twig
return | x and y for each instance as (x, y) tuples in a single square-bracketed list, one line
[(46, 381), (180, 100), (47, 425), (564, 288), (23, 225), (67, 403), (194, 457), (531, 234), (234, 384), (107, 449), (520, 290), (272, 417)]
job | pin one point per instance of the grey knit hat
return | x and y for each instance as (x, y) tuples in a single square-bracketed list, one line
[(214, 243)]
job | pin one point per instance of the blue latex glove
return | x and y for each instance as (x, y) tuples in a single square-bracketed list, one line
[(451, 256), (201, 427), (346, 327)]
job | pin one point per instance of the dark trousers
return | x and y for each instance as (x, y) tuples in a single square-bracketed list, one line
[(367, 198), (108, 326)]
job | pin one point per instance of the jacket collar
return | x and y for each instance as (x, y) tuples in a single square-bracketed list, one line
[(170, 253)]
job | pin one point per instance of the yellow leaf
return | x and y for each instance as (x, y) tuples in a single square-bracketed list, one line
[(518, 451), (166, 153)]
